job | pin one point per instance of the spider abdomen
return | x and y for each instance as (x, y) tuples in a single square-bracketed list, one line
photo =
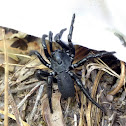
[(65, 85)]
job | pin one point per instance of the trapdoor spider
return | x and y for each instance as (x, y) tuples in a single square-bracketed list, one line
[(61, 65)]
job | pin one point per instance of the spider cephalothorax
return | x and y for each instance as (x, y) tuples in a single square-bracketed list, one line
[(60, 61), (61, 64)]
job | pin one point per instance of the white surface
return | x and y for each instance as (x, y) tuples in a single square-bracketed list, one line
[(95, 22)]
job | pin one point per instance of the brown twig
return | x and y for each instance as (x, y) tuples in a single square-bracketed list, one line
[(29, 94), (96, 82), (5, 81), (15, 110), (82, 121), (36, 103), (121, 82)]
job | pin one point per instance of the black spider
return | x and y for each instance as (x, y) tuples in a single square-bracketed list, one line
[(61, 64)]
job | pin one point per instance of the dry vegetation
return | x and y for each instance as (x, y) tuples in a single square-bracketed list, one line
[(23, 99)]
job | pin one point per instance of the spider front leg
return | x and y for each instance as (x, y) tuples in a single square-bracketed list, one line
[(45, 47), (70, 44), (68, 48), (79, 83), (50, 40), (57, 39)]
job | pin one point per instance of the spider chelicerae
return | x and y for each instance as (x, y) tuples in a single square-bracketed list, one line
[(61, 66)]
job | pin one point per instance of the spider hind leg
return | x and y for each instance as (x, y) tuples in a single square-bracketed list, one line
[(90, 56), (49, 90), (79, 83), (40, 74)]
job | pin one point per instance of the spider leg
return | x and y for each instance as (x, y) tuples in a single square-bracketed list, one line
[(57, 39), (40, 74), (49, 76), (50, 40), (79, 83), (49, 90), (45, 47), (33, 52), (90, 56), (70, 44)]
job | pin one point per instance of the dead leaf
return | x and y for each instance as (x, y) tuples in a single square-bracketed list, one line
[(55, 119), (20, 35), (11, 68), (13, 117), (33, 46)]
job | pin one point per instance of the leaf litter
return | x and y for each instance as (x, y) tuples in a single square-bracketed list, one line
[(27, 97)]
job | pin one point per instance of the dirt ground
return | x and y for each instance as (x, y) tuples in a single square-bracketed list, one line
[(27, 102)]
